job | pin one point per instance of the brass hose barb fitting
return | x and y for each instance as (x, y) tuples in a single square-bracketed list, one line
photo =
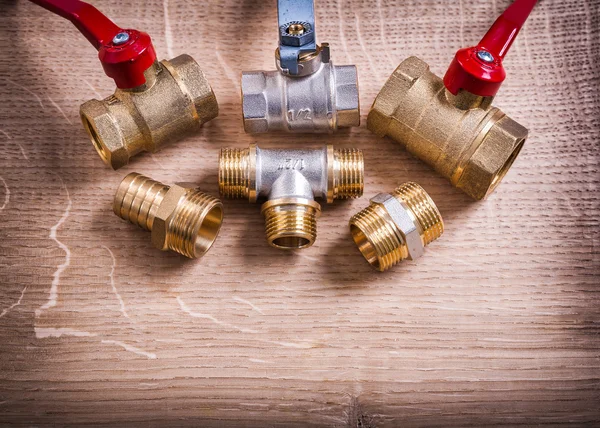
[(451, 124), (396, 226), (290, 181), (175, 102), (183, 220)]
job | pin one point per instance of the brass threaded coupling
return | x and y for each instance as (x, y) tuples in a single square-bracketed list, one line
[(181, 219), (463, 137), (175, 102), (396, 226), (290, 181)]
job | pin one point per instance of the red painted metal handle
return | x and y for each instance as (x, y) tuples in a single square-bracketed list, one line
[(479, 69), (126, 62)]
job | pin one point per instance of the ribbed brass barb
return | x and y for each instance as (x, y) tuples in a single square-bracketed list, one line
[(290, 181), (183, 220), (175, 102), (463, 137), (397, 226)]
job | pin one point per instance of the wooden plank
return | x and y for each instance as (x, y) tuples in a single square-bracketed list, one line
[(496, 325)]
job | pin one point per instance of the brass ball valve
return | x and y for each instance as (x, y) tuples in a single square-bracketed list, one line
[(155, 103), (290, 180), (451, 123), (306, 93)]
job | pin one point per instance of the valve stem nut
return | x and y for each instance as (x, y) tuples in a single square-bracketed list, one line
[(181, 219), (396, 226)]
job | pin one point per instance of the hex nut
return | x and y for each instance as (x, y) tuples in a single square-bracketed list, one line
[(104, 133), (400, 215), (296, 40), (164, 214), (493, 158)]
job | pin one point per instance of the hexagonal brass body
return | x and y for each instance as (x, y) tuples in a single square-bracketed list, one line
[(396, 226), (290, 180), (183, 220), (174, 103), (463, 137)]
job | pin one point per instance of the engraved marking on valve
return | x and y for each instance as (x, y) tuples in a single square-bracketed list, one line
[(302, 114), (112, 100), (292, 164)]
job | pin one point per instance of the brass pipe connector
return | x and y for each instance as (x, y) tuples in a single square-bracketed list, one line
[(290, 181), (463, 137), (183, 220), (175, 102), (396, 226)]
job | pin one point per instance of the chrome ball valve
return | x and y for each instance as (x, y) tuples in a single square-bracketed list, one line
[(307, 93)]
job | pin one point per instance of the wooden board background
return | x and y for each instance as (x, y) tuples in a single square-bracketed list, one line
[(497, 325)]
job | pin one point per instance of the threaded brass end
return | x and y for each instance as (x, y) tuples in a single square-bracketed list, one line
[(186, 221), (349, 166), (382, 238), (424, 209), (291, 224), (234, 173), (377, 238), (138, 198), (195, 224)]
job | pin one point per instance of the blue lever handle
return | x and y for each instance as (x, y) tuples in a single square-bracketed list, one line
[(297, 34)]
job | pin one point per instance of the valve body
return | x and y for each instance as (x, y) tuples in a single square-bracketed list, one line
[(180, 219), (323, 98), (290, 181), (173, 103), (462, 136)]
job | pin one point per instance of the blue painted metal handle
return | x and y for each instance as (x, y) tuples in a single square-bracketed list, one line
[(295, 11)]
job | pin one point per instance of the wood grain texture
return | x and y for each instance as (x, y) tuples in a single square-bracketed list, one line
[(498, 324)]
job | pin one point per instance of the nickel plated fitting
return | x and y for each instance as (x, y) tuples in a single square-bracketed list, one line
[(181, 219), (155, 103), (290, 181), (306, 93), (396, 226), (451, 124)]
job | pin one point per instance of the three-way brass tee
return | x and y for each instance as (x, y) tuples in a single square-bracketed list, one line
[(463, 137), (290, 181), (175, 102)]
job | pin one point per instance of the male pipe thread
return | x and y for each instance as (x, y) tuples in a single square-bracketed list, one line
[(183, 220), (383, 238), (290, 220)]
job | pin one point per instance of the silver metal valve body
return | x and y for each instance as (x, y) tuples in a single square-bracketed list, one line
[(321, 98)]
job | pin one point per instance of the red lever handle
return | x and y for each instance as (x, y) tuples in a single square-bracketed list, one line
[(125, 54), (479, 69)]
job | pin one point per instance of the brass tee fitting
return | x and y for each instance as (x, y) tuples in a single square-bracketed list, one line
[(290, 180), (463, 137), (175, 102), (396, 226), (183, 220)]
